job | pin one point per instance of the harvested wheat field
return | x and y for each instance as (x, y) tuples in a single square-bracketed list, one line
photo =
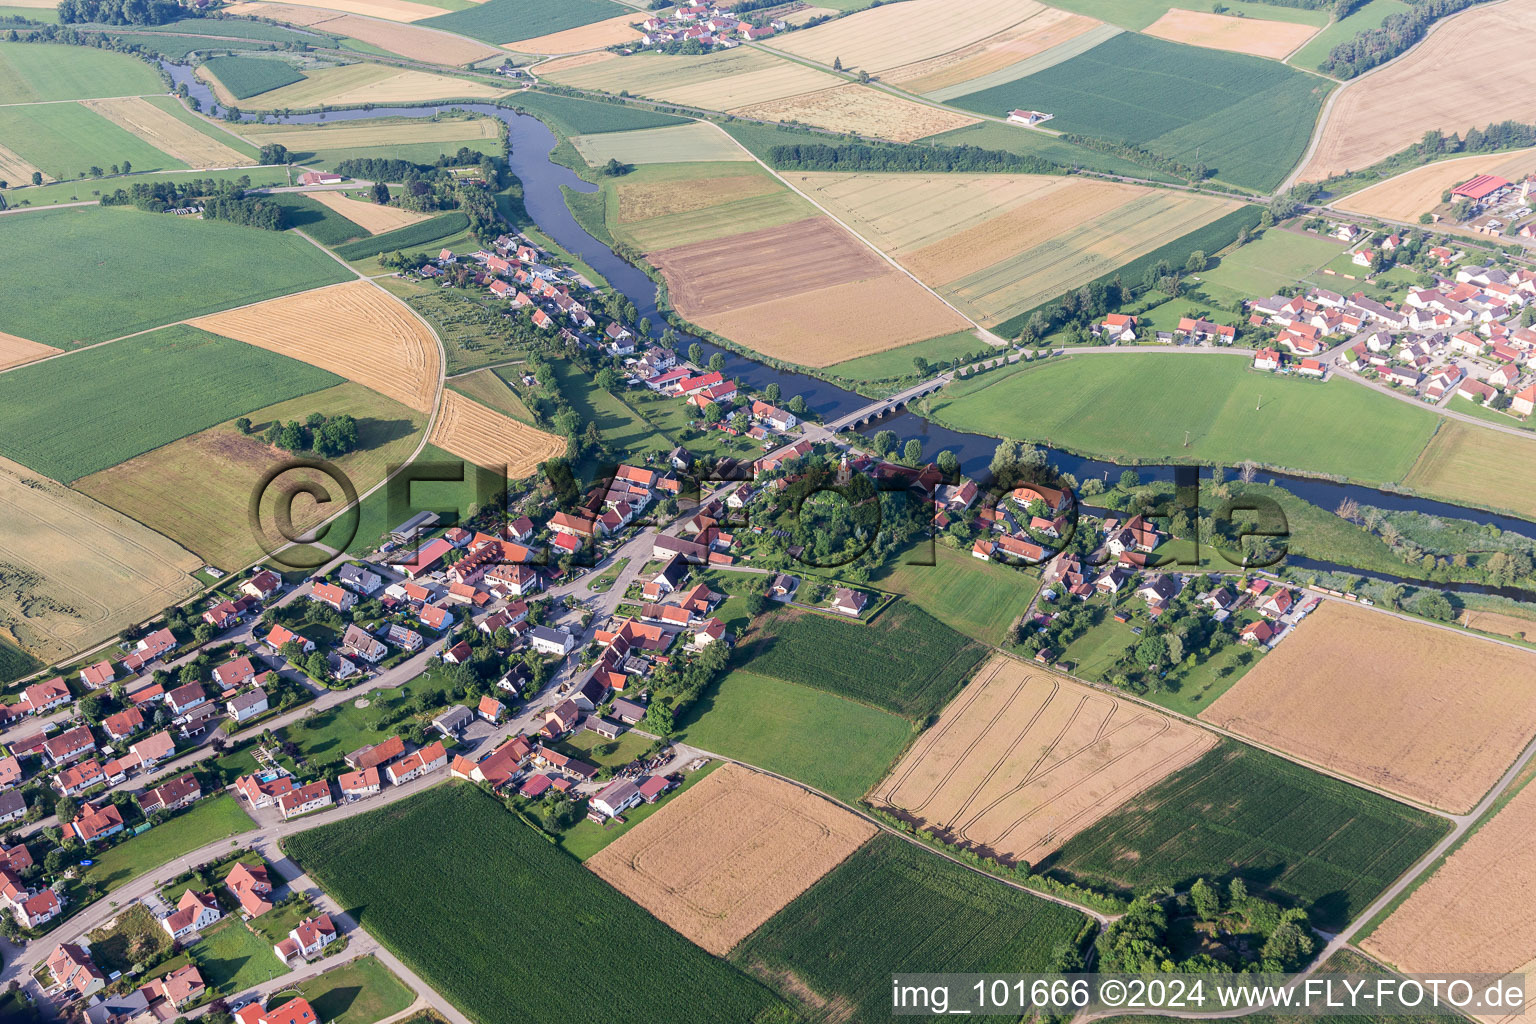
[(1022, 761), (694, 142), (356, 329), (580, 60), (1418, 191), (716, 81), (1511, 626), (287, 13), (1036, 34), (369, 83), (860, 109), (15, 351), (1473, 465), (647, 200), (413, 41), (1440, 83), (830, 325), (487, 438), (890, 36), (609, 32), (371, 217), (1429, 713), (14, 168), (1261, 38), (728, 854), (1474, 913), (389, 10), (167, 133), (74, 572), (363, 134)]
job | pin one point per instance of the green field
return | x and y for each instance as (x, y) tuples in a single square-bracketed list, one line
[(245, 77), (362, 992), (492, 391), (231, 958), (791, 729), (1130, 406), (30, 72), (15, 662), (1368, 16), (1298, 835), (131, 396), (1138, 14), (531, 905), (905, 661), (90, 188), (209, 820), (65, 140), (408, 237), (1260, 268), (684, 143), (505, 21), (315, 219), (46, 15), (979, 599), (1245, 118), (895, 363), (218, 266), (570, 115), (894, 907), (623, 430)]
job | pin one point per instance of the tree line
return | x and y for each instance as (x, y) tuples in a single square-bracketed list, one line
[(1376, 46), (859, 156), (220, 200), (326, 436), (123, 12)]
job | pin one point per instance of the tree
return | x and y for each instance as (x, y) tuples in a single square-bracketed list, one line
[(336, 436), (37, 177), (658, 719), (90, 708), (615, 167), (127, 167), (797, 405), (243, 424), (884, 442), (273, 153), (380, 193), (1152, 651), (948, 463), (717, 362), (1237, 892), (771, 393), (712, 413), (1004, 457), (1196, 263), (1206, 901), (66, 808), (607, 378), (1129, 479), (837, 63), (912, 452), (644, 327), (1287, 945), (696, 353), (757, 603)]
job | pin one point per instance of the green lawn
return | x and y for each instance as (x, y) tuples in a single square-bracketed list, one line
[(275, 924), (897, 362), (332, 734), (1143, 405), (796, 731), (92, 188), (1246, 119), (65, 140), (589, 746), (979, 599), (1278, 257), (507, 21), (218, 265), (132, 396), (30, 72), (625, 432), (231, 958), (362, 992), (586, 837), (209, 820), (1368, 16)]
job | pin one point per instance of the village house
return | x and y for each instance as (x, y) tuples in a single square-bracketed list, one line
[(74, 970), (306, 940), (423, 762), (151, 750), (94, 677), (356, 785), (122, 724), (333, 596), (95, 822), (180, 987), (616, 798), (377, 755), (69, 746), (305, 799), (248, 706), (358, 642), (262, 793), (551, 641), (77, 779), (234, 674), (1116, 327), (172, 796), (848, 602), (282, 635), (45, 696), (295, 1011), (364, 581), (251, 887), (194, 912), (185, 698)]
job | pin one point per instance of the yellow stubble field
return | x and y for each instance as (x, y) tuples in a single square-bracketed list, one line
[(1418, 191), (1036, 34), (489, 439), (371, 217), (166, 133), (896, 34), (609, 32), (860, 109), (14, 351), (1274, 39)]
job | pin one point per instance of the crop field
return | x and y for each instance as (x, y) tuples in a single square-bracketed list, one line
[(196, 490), (978, 599), (369, 216), (370, 83), (15, 351), (492, 390), (487, 438), (729, 854), (1274, 39), (988, 60), (573, 116), (207, 821), (422, 233), (608, 32), (497, 21), (807, 292), (499, 911), (356, 330), (888, 37), (129, 248), (897, 362), (77, 572), (1249, 119), (1513, 626), (891, 908), (1207, 407), (788, 728), (1276, 259), (166, 133), (34, 72), (316, 219), (13, 168), (1022, 761), (1472, 913), (1418, 191), (90, 188), (697, 141), (1434, 86), (308, 140), (1392, 725), (64, 140), (244, 77), (388, 10), (904, 661), (413, 41), (662, 206), (1303, 837), (858, 108), (1367, 16), (129, 397), (717, 81)]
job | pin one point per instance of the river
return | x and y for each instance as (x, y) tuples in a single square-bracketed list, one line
[(531, 143)]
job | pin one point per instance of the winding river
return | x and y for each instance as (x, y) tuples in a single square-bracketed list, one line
[(531, 143)]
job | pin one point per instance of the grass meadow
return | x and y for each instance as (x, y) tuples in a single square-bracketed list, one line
[(95, 273), (129, 397), (979, 599), (896, 363), (790, 729), (315, 219), (532, 905), (570, 115), (361, 992), (33, 72), (1208, 408), (1306, 838), (1367, 16), (208, 821), (92, 188), (1276, 258), (895, 907), (232, 958)]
